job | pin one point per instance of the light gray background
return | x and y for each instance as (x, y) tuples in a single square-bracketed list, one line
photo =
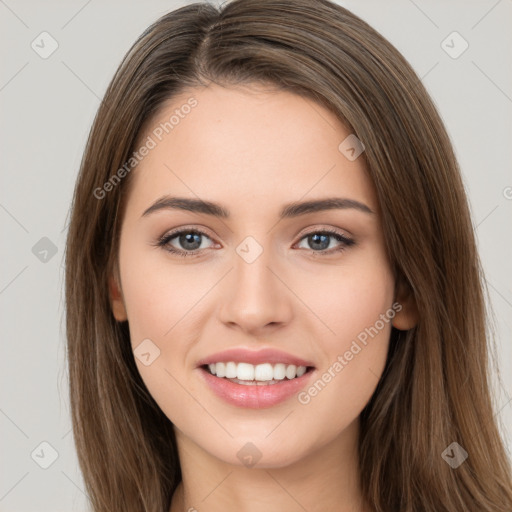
[(47, 108)]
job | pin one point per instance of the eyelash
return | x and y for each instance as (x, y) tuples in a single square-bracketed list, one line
[(163, 242)]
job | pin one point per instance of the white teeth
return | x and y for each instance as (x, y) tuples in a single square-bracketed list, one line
[(231, 371), (244, 371), (220, 369), (279, 371), (260, 372), (291, 371), (301, 370), (264, 372)]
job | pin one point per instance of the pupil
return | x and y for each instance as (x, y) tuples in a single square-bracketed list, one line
[(190, 238), (323, 244)]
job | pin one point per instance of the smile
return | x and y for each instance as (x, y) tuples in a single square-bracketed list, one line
[(246, 373)]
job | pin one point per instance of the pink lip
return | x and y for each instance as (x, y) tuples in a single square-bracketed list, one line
[(254, 396), (243, 355)]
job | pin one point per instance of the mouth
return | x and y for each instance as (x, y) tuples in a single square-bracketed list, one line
[(255, 386), (247, 374)]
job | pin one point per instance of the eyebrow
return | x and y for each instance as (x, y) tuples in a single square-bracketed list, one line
[(290, 210)]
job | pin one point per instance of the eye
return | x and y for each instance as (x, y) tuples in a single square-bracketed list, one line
[(318, 241), (190, 241)]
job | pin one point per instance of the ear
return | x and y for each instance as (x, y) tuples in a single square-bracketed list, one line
[(407, 316), (116, 299)]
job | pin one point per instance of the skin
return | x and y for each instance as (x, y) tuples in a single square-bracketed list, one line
[(254, 150)]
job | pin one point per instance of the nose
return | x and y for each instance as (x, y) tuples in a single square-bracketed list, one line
[(255, 297)]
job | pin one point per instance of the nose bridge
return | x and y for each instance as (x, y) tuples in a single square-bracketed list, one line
[(256, 297)]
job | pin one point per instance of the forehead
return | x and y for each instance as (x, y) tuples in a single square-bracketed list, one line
[(246, 145)]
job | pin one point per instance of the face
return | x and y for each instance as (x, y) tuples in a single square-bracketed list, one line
[(311, 287)]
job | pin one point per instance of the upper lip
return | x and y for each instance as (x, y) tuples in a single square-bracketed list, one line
[(245, 355)]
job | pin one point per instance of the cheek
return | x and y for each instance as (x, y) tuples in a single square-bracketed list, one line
[(163, 303), (335, 399), (346, 298), (159, 294), (355, 345)]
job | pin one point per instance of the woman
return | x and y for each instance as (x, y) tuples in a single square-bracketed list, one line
[(321, 344)]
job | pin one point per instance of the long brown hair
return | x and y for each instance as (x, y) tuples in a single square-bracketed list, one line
[(435, 389)]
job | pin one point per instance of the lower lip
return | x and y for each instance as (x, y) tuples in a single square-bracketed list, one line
[(254, 396)]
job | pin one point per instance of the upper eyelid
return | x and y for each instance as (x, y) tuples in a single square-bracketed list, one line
[(177, 231)]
